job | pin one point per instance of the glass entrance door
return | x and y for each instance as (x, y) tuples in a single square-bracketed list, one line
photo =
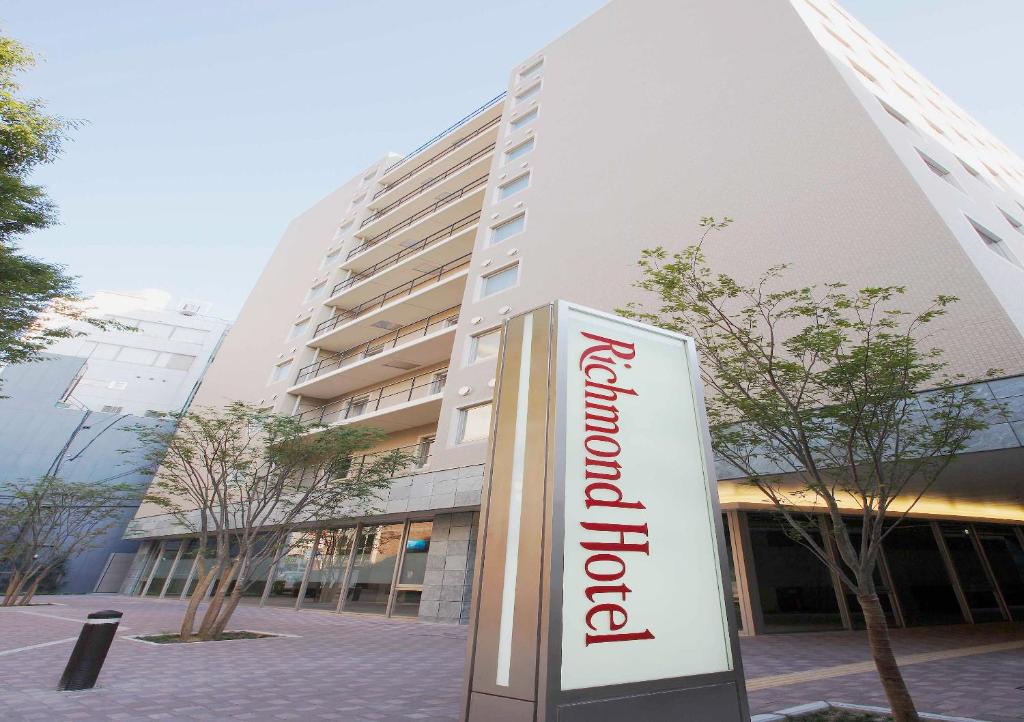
[(414, 568), (373, 568)]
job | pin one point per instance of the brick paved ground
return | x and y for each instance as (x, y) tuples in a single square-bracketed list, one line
[(358, 669)]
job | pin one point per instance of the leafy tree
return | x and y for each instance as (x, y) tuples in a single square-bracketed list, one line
[(243, 480), (29, 287), (815, 395), (45, 522)]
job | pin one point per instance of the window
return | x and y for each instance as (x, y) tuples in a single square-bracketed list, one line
[(356, 406), (520, 150), (189, 335), (524, 120), (281, 371), (938, 170), (995, 243), (141, 356), (1017, 225), (970, 169), (484, 345), (862, 71), (331, 258), (528, 93), (533, 68), (299, 328), (437, 384), (508, 228), (112, 409), (474, 423), (838, 37), (317, 291), (894, 113), (513, 186), (175, 361), (423, 450), (499, 281)]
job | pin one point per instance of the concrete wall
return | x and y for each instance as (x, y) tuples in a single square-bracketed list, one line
[(34, 432)]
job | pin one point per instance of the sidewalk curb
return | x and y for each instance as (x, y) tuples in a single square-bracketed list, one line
[(805, 710)]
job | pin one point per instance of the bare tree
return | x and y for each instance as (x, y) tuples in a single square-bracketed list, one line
[(828, 401), (243, 480), (45, 522)]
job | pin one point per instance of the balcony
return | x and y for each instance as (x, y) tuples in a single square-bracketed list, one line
[(420, 453), (478, 158), (449, 202), (411, 261), (427, 341), (406, 404), (427, 293), (468, 120)]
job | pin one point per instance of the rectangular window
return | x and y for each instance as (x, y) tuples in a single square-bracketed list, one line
[(520, 150), (524, 120), (528, 93), (299, 328), (356, 406), (438, 382), (474, 423), (317, 292), (499, 281), (938, 170), (331, 258), (141, 356), (995, 243), (533, 68), (189, 335), (508, 228), (513, 186), (281, 371), (423, 450), (484, 345)]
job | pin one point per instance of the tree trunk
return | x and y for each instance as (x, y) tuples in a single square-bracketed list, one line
[(203, 582), (11, 593), (885, 661), (30, 592), (226, 612), (209, 619)]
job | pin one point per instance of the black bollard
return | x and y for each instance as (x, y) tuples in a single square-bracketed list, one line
[(90, 651)]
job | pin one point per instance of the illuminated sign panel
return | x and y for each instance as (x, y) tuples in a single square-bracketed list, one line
[(642, 591)]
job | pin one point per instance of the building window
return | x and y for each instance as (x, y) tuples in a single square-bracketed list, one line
[(111, 409), (357, 406), (520, 150), (1014, 223), (331, 258), (299, 328), (281, 371), (939, 170), (894, 113), (863, 71), (528, 93), (533, 68), (508, 228), (513, 186), (484, 345), (970, 169), (423, 450), (499, 281), (994, 243), (438, 382), (474, 423), (317, 292), (524, 120)]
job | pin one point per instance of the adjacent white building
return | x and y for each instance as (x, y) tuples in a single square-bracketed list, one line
[(150, 371)]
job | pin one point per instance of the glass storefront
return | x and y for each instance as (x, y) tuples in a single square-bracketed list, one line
[(919, 574), (168, 553), (291, 569), (414, 568), (1005, 552), (373, 568), (794, 587), (974, 581), (176, 584), (327, 570), (147, 568)]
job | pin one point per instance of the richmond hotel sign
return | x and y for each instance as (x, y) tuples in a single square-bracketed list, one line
[(600, 592)]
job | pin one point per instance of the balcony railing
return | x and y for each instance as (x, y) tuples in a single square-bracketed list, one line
[(441, 203), (427, 185), (433, 159), (454, 126), (419, 453), (407, 251), (398, 337), (406, 289), (366, 402)]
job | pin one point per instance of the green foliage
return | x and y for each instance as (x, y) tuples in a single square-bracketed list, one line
[(45, 522), (28, 286), (815, 393)]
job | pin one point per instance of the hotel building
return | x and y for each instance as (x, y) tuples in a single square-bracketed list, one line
[(382, 304)]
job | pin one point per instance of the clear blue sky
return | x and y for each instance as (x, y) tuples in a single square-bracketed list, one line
[(210, 125)]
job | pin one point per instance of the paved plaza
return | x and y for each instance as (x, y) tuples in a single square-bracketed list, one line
[(359, 668)]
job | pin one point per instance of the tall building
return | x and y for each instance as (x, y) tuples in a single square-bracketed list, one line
[(150, 367), (382, 304), (71, 414)]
